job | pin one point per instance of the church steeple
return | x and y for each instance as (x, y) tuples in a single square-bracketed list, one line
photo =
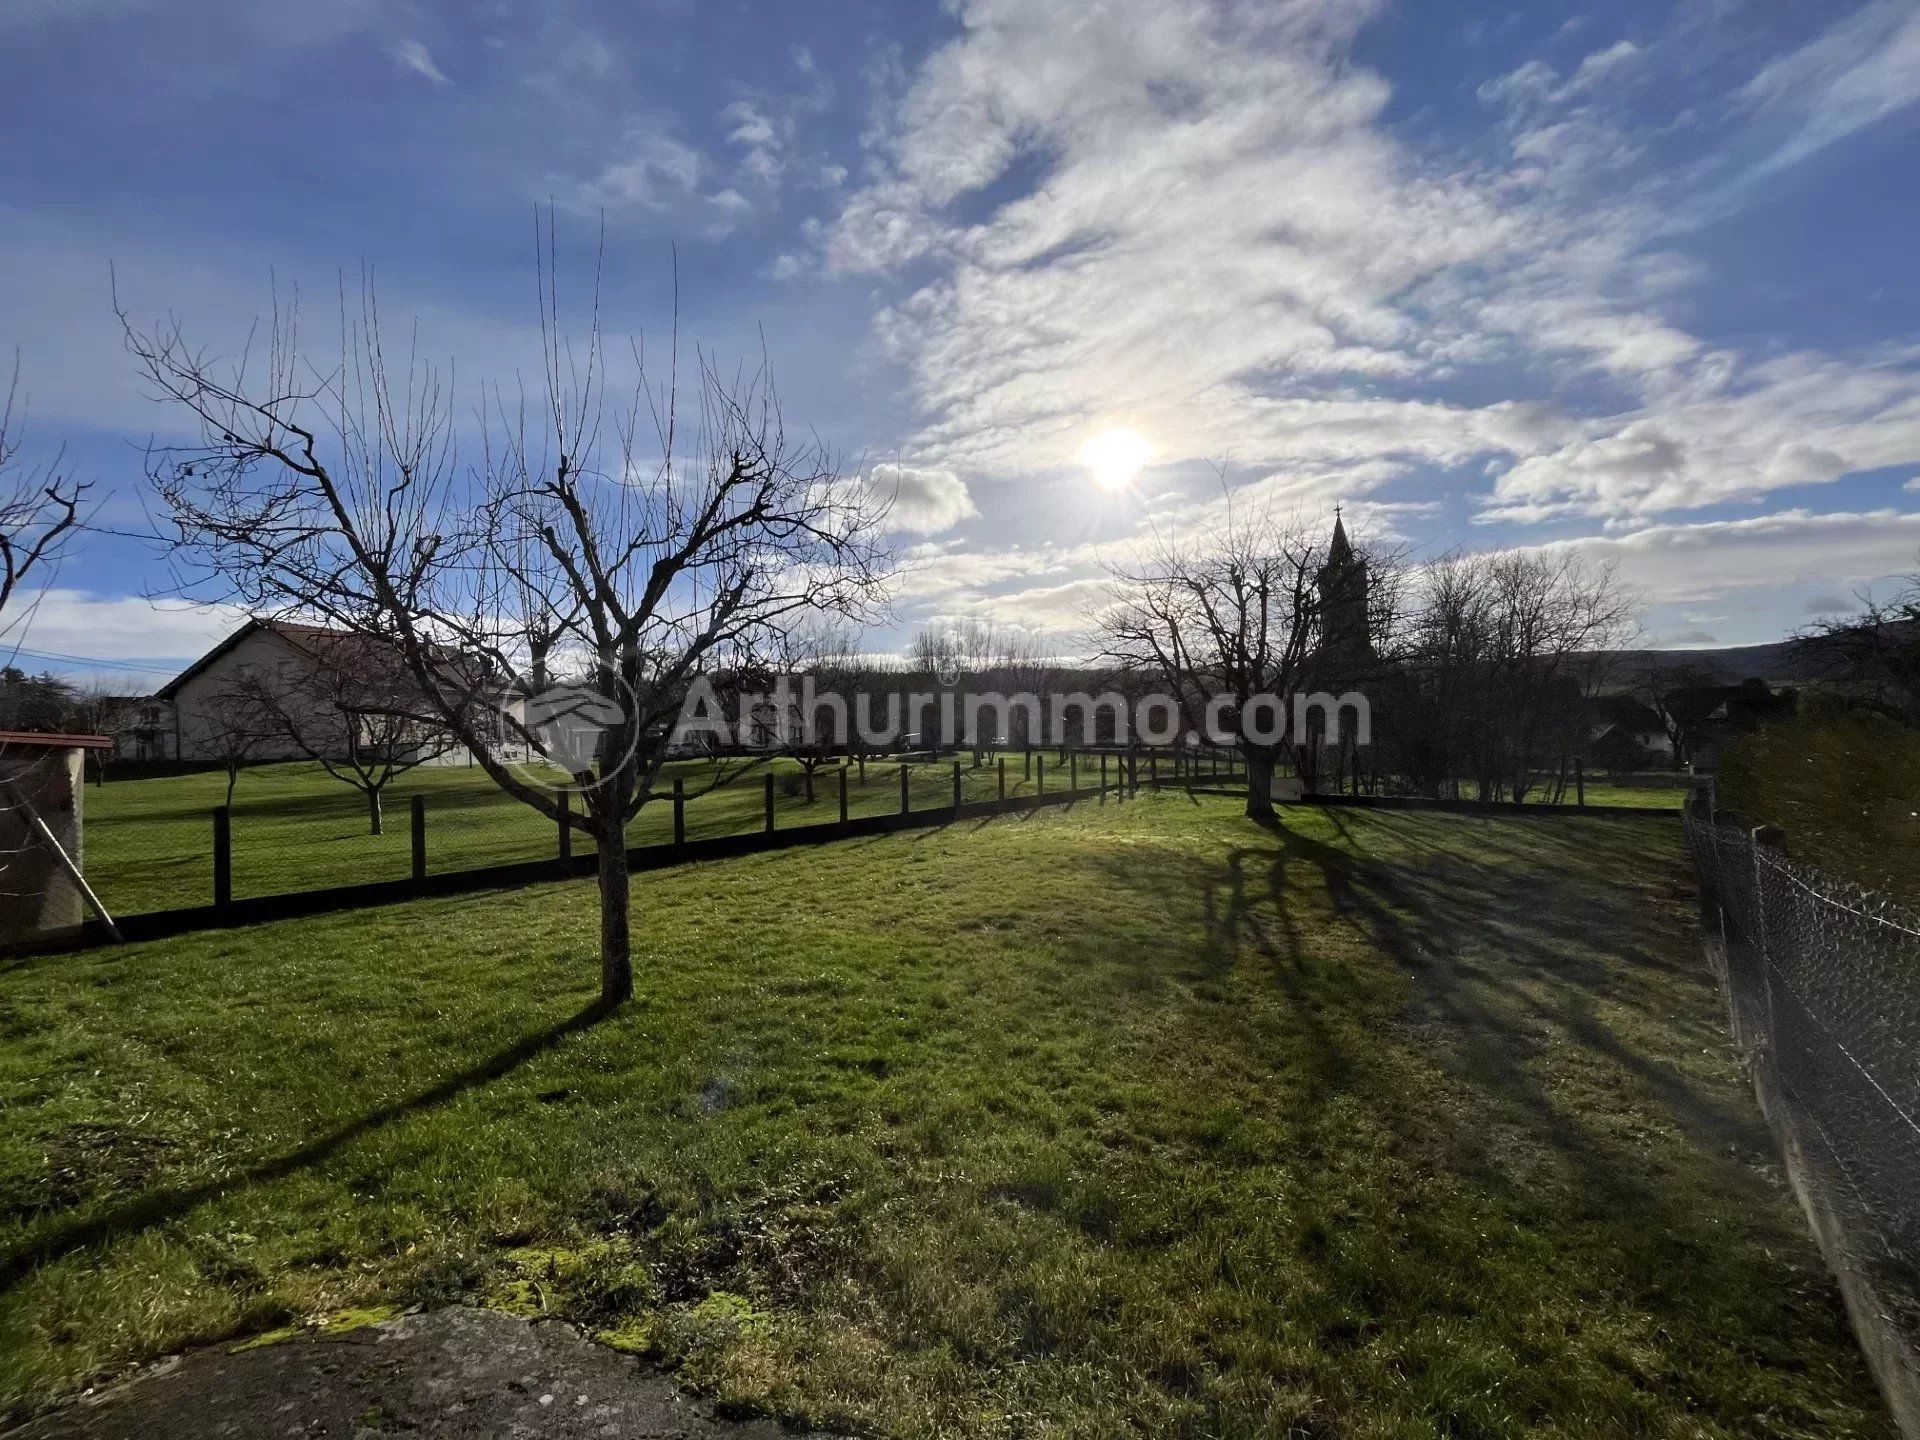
[(1343, 584), (1339, 549)]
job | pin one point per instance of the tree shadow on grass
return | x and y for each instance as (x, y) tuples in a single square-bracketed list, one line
[(1469, 933), (158, 1207), (1513, 953)]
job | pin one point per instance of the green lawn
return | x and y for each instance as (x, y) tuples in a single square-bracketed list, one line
[(149, 841), (1134, 1119)]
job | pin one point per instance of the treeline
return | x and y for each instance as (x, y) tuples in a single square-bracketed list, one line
[(47, 704)]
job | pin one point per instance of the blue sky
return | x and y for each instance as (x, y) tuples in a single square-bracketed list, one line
[(1634, 278)]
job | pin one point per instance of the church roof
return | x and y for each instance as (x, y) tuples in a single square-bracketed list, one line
[(1339, 549)]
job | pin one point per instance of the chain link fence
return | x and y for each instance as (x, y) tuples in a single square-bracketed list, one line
[(1822, 983)]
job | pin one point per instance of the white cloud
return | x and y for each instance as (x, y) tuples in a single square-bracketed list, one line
[(1693, 563), (922, 502), (1797, 420), (414, 56), (749, 126), (652, 170), (1222, 246), (127, 630), (1862, 70), (1220, 213), (1536, 83)]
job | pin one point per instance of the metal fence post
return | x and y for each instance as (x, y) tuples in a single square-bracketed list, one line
[(1073, 773), (1003, 780), (843, 794), (1765, 837), (419, 839), (1579, 784), (1153, 770), (956, 787), (1026, 764), (1103, 777), (679, 811), (769, 789), (905, 804), (1039, 774), (222, 856)]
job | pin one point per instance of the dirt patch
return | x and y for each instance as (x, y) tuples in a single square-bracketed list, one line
[(449, 1374)]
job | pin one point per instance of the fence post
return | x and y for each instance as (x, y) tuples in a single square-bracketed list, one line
[(956, 788), (1103, 777), (1073, 773), (1003, 780), (769, 790), (1133, 774), (222, 856), (1579, 784), (863, 770), (1764, 837), (843, 795), (905, 804), (419, 839), (1026, 765), (679, 811), (1039, 774), (566, 830), (1153, 770)]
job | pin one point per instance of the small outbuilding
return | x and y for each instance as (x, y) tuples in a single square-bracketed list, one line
[(43, 890)]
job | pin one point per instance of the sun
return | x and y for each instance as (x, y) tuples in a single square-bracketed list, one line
[(1115, 457)]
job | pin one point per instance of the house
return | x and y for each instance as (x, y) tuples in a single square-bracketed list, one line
[(279, 690), (1625, 734), (1709, 715), (142, 728)]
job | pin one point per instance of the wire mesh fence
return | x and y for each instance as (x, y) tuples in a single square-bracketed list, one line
[(1822, 982)]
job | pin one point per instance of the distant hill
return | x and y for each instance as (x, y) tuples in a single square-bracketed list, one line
[(1784, 662)]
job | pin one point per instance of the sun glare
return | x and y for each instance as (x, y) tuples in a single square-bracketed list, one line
[(1115, 457)]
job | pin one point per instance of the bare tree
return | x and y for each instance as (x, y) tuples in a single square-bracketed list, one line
[(622, 554), (1664, 690), (39, 513), (232, 732), (348, 703), (1499, 663), (1234, 613), (992, 656), (1875, 653)]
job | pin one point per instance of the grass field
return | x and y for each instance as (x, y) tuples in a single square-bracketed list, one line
[(1847, 792), (1135, 1119), (149, 841)]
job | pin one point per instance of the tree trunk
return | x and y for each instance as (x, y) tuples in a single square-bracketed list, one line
[(1260, 786), (616, 942), (373, 812), (233, 775)]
